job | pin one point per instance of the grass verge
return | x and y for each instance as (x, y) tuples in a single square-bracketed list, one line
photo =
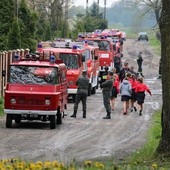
[(1, 107)]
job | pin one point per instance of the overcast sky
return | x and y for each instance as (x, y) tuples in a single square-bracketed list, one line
[(101, 2)]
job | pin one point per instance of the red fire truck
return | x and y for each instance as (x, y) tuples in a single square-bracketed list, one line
[(36, 90), (106, 51), (78, 57)]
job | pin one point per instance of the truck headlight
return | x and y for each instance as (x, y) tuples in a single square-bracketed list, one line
[(13, 101), (47, 102)]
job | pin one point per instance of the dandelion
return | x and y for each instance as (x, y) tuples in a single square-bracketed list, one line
[(154, 166), (98, 165), (88, 163)]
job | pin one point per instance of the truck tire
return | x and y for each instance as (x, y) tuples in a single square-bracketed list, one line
[(17, 119), (52, 121), (59, 118), (9, 120)]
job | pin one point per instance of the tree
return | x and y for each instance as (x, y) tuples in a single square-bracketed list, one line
[(164, 145), (6, 20), (14, 40), (27, 21)]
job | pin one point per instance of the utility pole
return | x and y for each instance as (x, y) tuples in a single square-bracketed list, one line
[(87, 7), (104, 9), (65, 29), (98, 7)]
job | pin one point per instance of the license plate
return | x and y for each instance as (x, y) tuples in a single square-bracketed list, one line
[(33, 115), (30, 115)]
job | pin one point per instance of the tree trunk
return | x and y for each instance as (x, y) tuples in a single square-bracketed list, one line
[(164, 145)]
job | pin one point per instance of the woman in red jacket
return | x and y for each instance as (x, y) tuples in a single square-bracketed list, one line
[(140, 92)]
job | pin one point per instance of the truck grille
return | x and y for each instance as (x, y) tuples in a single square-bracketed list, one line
[(32, 102)]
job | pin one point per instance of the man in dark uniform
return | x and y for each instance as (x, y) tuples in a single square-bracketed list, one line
[(104, 75), (106, 90), (139, 62), (81, 95), (124, 71)]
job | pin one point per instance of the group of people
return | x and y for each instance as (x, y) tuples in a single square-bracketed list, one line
[(127, 83)]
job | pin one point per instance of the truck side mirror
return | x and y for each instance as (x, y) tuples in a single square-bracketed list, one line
[(83, 58)]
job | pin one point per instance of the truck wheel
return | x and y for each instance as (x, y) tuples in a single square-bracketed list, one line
[(59, 118), (17, 119), (8, 120), (89, 90), (94, 90), (52, 121)]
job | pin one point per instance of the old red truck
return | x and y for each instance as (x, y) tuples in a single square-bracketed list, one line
[(78, 57), (36, 90), (106, 52)]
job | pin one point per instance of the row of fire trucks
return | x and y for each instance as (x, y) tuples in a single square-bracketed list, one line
[(39, 85)]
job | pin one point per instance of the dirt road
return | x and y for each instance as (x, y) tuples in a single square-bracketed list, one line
[(93, 137)]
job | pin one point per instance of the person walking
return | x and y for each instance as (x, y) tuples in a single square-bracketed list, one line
[(139, 62), (133, 81), (81, 95), (125, 91), (117, 63), (106, 90), (123, 71), (132, 71), (114, 91), (140, 93)]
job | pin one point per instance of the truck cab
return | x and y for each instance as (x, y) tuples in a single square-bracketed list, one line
[(36, 90)]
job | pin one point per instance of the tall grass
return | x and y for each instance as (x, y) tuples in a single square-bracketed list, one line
[(1, 107), (154, 42), (147, 153)]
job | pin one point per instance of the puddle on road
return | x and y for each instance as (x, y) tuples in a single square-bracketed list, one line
[(154, 105)]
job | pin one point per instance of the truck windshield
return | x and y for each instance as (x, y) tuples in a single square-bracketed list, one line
[(103, 45), (70, 60), (33, 75)]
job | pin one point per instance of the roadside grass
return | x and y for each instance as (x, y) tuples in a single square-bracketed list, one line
[(1, 107), (155, 43)]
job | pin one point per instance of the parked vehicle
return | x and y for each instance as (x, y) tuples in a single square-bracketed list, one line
[(143, 36), (78, 57), (106, 52), (36, 90)]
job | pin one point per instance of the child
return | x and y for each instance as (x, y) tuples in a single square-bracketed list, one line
[(133, 83), (140, 92), (125, 91), (114, 91)]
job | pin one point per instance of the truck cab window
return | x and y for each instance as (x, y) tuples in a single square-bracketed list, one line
[(33, 75)]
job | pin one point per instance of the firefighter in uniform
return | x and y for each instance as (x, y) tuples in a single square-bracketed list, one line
[(106, 90), (81, 95), (104, 75), (139, 62)]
